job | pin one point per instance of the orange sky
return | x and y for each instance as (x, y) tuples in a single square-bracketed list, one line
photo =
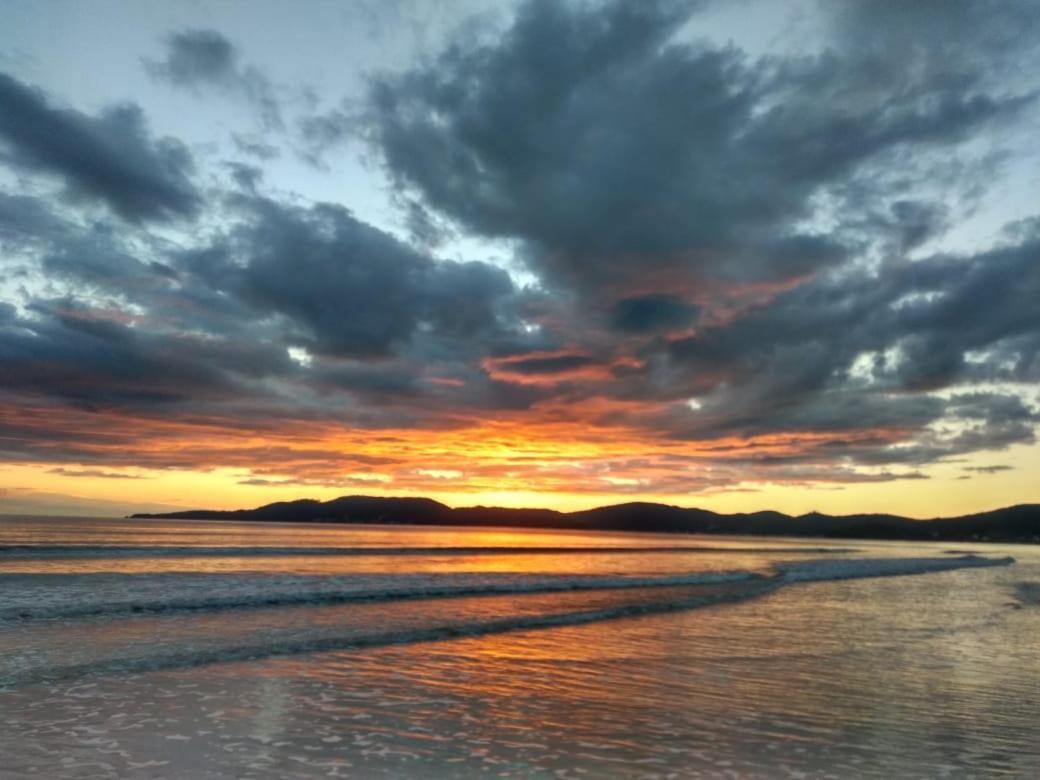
[(596, 253), (563, 465)]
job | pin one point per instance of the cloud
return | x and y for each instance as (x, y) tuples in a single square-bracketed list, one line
[(545, 364), (346, 289), (737, 270), (291, 312), (97, 358), (92, 473), (195, 57), (625, 156), (649, 313), (109, 158), (870, 349), (200, 59), (546, 368), (321, 132), (255, 147), (988, 469)]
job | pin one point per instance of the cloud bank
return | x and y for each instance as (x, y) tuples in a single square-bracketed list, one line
[(728, 269)]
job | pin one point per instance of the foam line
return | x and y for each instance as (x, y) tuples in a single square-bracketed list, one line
[(262, 592), (366, 591), (729, 587), (476, 628)]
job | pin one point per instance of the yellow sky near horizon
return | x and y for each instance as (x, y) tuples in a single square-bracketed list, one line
[(949, 490)]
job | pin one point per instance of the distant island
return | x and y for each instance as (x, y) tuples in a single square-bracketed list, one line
[(1019, 524)]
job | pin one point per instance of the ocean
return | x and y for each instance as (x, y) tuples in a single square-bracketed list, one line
[(180, 649)]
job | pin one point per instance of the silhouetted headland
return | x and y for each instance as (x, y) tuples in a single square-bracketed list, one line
[(1011, 524)]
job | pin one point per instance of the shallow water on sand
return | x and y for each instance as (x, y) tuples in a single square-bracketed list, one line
[(208, 650)]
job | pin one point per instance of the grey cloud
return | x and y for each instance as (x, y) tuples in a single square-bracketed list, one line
[(546, 365), (89, 358), (988, 469), (247, 177), (394, 336), (92, 473), (969, 35), (197, 56), (651, 313), (255, 147), (425, 229), (199, 59), (324, 131), (348, 289), (703, 226), (623, 156), (110, 158), (933, 324), (26, 222)]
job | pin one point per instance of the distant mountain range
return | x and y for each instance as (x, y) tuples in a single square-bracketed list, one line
[(1011, 524)]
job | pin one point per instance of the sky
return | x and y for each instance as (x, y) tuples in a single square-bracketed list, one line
[(743, 255)]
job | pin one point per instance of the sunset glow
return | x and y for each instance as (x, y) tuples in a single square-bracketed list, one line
[(693, 261)]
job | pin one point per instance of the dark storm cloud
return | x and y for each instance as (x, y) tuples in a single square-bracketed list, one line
[(95, 259), (91, 358), (738, 253), (347, 289), (651, 313), (860, 352), (206, 330), (544, 365), (205, 59), (625, 156), (25, 221), (424, 228), (110, 157)]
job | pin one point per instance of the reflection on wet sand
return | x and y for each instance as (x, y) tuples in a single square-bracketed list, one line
[(934, 675)]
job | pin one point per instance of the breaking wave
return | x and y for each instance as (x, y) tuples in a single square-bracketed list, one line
[(856, 568), (32, 596), (80, 606), (89, 595), (351, 640)]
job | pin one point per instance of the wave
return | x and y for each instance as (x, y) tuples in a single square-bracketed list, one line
[(274, 591), (194, 657), (32, 552), (50, 650), (52, 596), (857, 568), (703, 590)]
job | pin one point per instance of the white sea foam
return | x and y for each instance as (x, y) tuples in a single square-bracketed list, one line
[(174, 640), (856, 568), (31, 596), (238, 638)]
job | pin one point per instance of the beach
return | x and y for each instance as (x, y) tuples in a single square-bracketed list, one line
[(342, 651)]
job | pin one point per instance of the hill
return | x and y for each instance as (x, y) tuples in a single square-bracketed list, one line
[(1011, 524)]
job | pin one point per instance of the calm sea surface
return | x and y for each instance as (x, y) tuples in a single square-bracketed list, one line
[(160, 649)]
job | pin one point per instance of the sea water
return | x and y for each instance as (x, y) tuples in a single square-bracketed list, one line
[(160, 649)]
